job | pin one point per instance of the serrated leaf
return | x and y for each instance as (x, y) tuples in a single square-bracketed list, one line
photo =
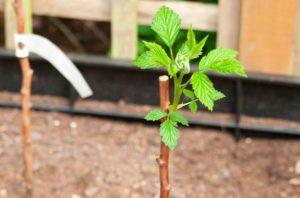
[(188, 93), (216, 55), (228, 66), (191, 39), (217, 95), (172, 70), (146, 61), (155, 115), (177, 117), (183, 51), (203, 89), (159, 54), (196, 51), (166, 24), (193, 106), (169, 133)]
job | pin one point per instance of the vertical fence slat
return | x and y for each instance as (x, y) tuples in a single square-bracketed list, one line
[(267, 35), (10, 24), (124, 29), (297, 41), (28, 15), (229, 23), (10, 21)]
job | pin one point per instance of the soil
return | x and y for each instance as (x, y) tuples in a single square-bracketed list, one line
[(92, 157)]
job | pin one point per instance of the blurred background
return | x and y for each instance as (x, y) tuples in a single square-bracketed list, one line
[(93, 36)]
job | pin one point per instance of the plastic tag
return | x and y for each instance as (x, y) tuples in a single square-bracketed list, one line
[(21, 47), (49, 51)]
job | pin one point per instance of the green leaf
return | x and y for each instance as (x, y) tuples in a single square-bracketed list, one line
[(193, 106), (146, 61), (155, 115), (166, 24), (172, 69), (217, 95), (191, 39), (159, 54), (177, 117), (183, 51), (188, 93), (203, 89), (218, 54), (196, 51), (169, 133), (228, 66), (182, 59)]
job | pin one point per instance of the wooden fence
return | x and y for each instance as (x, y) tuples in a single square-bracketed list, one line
[(266, 32)]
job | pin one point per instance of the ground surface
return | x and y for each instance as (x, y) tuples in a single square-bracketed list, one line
[(93, 157)]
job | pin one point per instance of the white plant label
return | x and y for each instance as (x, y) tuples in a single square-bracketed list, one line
[(49, 51)]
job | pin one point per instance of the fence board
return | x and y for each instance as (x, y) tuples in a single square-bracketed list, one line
[(267, 32), (124, 29), (229, 24), (10, 21), (297, 41), (203, 16), (10, 25), (28, 15), (98, 10)]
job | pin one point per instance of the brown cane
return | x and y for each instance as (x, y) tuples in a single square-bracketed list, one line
[(27, 73), (163, 160)]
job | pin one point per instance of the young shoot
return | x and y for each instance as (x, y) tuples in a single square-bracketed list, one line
[(190, 89)]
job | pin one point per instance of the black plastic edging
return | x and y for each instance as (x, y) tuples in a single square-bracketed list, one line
[(113, 80), (133, 117)]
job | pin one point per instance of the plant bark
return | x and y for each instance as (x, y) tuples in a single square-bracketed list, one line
[(27, 73), (163, 160)]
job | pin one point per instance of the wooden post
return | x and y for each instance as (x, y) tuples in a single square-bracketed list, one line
[(10, 24), (27, 73), (11, 21), (229, 24), (124, 29), (163, 160), (267, 35), (297, 41)]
